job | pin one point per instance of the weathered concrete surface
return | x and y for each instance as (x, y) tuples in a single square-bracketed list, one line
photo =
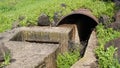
[(27, 49), (88, 59), (75, 42), (45, 34), (75, 35), (31, 55)]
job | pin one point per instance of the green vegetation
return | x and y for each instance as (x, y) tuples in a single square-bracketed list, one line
[(67, 59), (7, 58), (29, 10), (106, 57)]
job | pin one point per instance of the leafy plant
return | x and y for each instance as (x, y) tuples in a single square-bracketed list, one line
[(106, 57), (67, 59), (7, 58)]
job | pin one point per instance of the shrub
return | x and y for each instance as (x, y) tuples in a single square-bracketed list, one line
[(106, 57), (67, 59), (7, 58)]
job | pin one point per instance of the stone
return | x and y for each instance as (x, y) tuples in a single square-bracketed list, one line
[(57, 16), (43, 20), (104, 19), (117, 3), (116, 44), (117, 16), (115, 26)]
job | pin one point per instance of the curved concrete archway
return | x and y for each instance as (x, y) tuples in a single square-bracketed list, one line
[(84, 20)]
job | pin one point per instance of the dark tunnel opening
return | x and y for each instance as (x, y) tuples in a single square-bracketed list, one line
[(85, 26)]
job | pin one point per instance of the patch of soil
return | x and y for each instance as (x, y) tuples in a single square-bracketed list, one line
[(115, 43)]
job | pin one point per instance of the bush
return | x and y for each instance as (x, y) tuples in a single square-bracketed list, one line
[(106, 57), (67, 59)]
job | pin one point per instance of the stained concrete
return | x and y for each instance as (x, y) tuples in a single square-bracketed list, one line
[(29, 48), (45, 34), (89, 58), (32, 55)]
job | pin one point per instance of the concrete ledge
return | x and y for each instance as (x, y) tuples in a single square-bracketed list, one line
[(41, 34), (88, 60), (27, 49), (31, 55)]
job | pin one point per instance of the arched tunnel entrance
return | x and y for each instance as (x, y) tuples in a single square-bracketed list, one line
[(85, 23)]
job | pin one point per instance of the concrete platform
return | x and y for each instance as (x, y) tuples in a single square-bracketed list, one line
[(32, 55), (36, 47)]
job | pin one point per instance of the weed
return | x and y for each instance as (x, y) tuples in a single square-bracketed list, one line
[(7, 58), (106, 57), (67, 59)]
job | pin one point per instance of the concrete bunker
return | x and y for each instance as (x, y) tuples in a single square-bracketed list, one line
[(84, 21), (50, 40)]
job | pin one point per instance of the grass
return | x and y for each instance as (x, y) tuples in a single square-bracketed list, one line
[(106, 57), (7, 58), (67, 59), (12, 10)]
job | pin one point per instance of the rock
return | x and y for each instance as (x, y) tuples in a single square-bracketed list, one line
[(104, 19), (115, 43), (63, 5), (117, 16), (115, 26), (117, 3), (43, 20), (3, 50), (57, 16)]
